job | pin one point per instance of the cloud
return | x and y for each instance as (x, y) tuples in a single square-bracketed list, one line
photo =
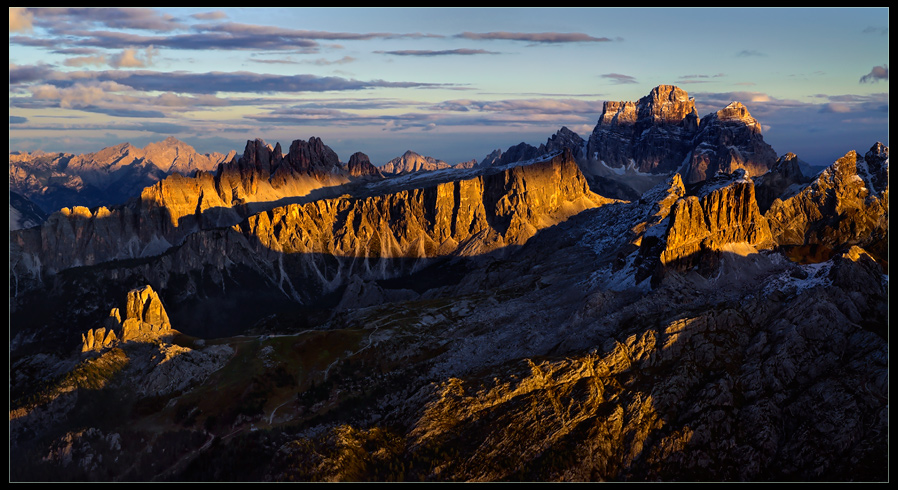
[(618, 78), (745, 53), (237, 82), (20, 20), (883, 30), (414, 52), (28, 73), (698, 78), (96, 60), (61, 19), (521, 106), (17, 120), (835, 107), (131, 58), (81, 95), (876, 74), (534, 37), (210, 15), (318, 62)]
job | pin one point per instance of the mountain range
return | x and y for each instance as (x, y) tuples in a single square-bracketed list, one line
[(665, 300)]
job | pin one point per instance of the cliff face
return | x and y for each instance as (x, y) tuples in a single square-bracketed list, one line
[(392, 234)]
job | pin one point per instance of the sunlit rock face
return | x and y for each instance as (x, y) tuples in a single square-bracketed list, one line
[(391, 234), (145, 320), (847, 204), (690, 227), (651, 135), (727, 140)]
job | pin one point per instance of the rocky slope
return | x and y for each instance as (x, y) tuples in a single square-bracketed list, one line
[(23, 213), (727, 140)]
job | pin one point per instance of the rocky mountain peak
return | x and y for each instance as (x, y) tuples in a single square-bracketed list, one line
[(727, 140), (564, 138), (651, 135), (411, 161), (665, 104), (360, 165)]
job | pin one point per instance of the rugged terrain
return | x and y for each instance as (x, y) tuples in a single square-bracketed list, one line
[(289, 317)]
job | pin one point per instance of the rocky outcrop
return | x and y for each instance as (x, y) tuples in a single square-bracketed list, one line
[(727, 140), (520, 152), (145, 320), (651, 135), (847, 204)]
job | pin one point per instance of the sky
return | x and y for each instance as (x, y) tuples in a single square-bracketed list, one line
[(450, 83)]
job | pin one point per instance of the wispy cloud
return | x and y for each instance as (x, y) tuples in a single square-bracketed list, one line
[(210, 15), (62, 18), (882, 30), (204, 83), (619, 78), (698, 78), (876, 74), (445, 52), (535, 37), (747, 53)]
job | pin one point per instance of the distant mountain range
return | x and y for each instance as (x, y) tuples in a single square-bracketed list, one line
[(109, 176)]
